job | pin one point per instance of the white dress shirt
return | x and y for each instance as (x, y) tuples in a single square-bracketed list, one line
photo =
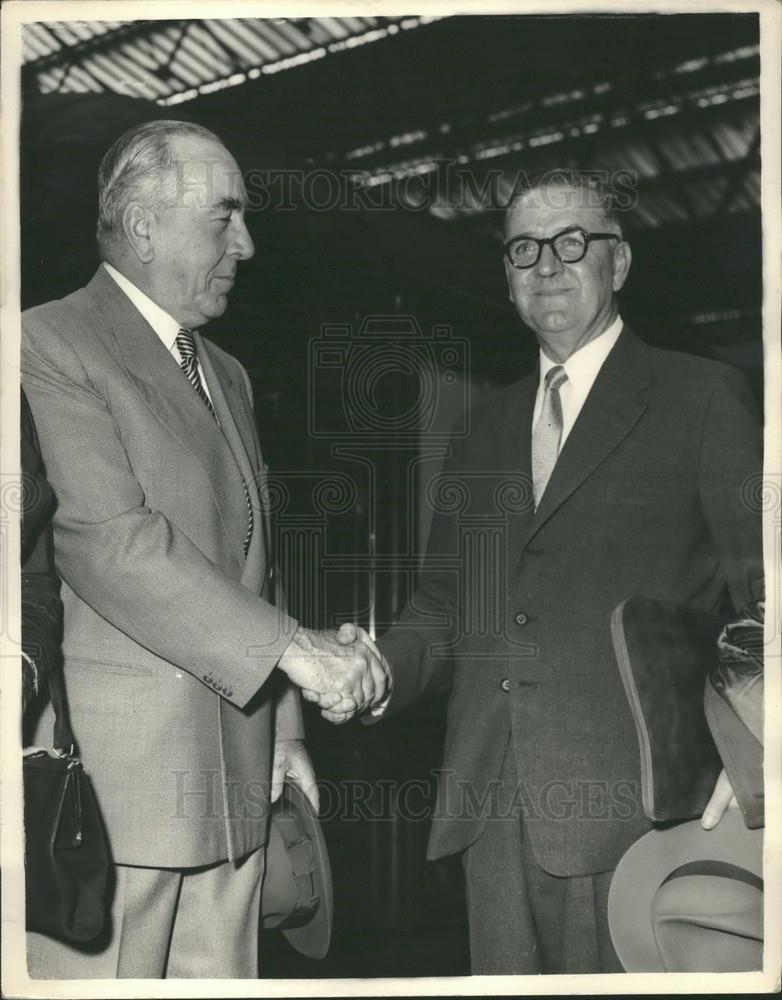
[(582, 368), (165, 326)]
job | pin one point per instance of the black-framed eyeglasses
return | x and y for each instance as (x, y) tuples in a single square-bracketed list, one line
[(570, 246)]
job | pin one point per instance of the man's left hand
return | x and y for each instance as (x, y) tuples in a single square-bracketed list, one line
[(292, 761), (721, 799)]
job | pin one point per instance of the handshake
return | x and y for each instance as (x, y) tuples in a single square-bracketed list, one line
[(342, 672)]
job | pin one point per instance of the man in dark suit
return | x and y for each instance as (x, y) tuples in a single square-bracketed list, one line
[(182, 666), (613, 470)]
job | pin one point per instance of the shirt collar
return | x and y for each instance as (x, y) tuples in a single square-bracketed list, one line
[(165, 326), (583, 365)]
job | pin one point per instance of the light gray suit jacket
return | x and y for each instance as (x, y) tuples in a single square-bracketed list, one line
[(171, 637)]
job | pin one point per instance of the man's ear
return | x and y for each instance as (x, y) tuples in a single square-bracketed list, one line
[(623, 258), (135, 225)]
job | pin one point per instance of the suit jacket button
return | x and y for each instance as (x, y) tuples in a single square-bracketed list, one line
[(521, 618), (505, 684)]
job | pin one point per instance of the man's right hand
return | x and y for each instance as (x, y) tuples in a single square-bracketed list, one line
[(341, 712), (332, 673)]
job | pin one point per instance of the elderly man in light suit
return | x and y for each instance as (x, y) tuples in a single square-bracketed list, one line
[(182, 666)]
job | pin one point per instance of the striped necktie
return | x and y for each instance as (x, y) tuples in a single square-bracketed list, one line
[(189, 364), (547, 432)]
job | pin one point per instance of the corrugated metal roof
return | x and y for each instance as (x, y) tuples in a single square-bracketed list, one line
[(174, 61), (678, 144), (688, 132)]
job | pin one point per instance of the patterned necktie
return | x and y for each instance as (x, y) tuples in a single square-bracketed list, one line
[(189, 364), (547, 432)]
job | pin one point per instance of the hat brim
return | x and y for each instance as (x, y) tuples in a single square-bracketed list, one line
[(647, 864), (313, 938), (741, 753)]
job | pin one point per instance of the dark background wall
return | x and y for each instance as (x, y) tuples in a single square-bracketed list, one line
[(695, 228)]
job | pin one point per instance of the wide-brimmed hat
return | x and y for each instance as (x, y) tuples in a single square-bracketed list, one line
[(741, 752), (297, 896), (689, 899)]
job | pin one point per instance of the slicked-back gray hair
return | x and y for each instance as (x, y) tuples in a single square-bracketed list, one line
[(135, 169), (593, 191)]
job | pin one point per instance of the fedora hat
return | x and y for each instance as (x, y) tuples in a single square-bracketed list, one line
[(740, 750), (297, 895), (685, 899)]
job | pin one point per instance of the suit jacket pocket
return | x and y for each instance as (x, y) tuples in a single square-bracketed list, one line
[(107, 666)]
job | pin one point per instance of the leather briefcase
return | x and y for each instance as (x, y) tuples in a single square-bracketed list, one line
[(66, 850)]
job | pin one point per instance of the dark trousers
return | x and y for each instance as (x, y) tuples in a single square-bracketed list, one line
[(524, 920)]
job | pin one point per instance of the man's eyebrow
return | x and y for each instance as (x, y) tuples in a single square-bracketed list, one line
[(229, 203), (529, 236)]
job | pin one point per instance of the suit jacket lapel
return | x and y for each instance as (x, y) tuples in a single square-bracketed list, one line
[(236, 424), (612, 408), (228, 403), (156, 375), (152, 368), (516, 455)]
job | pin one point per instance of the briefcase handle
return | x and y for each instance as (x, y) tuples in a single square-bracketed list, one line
[(63, 742)]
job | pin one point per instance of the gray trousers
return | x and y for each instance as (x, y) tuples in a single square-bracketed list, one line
[(168, 923), (521, 918)]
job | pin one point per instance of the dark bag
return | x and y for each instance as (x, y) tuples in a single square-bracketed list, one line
[(664, 654), (66, 850)]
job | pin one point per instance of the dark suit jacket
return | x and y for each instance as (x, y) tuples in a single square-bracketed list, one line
[(650, 496), (41, 606), (170, 636)]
